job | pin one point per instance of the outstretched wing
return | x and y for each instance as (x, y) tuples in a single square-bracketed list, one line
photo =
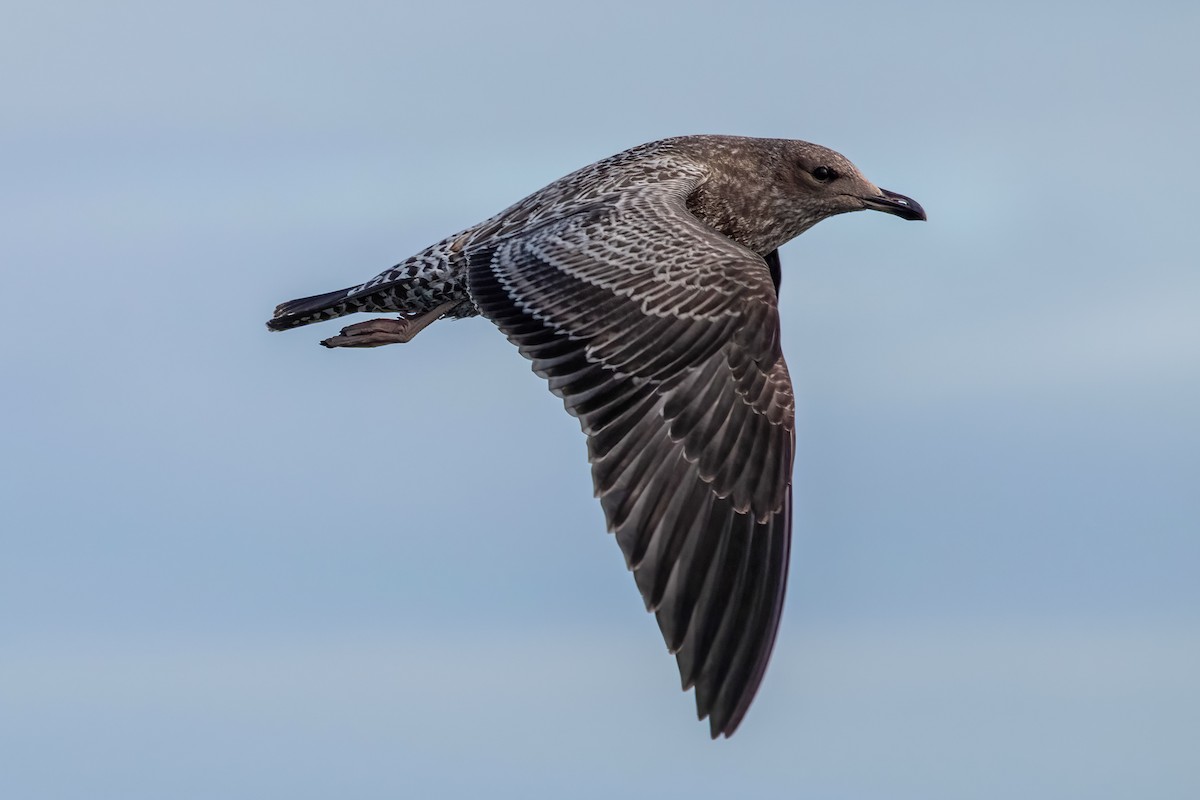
[(662, 337)]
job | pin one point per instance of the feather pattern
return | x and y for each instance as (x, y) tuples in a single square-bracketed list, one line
[(662, 337), (644, 289)]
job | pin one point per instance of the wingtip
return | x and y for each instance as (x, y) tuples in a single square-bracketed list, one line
[(719, 725), (716, 730)]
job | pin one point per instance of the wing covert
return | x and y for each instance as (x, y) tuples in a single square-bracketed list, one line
[(662, 337)]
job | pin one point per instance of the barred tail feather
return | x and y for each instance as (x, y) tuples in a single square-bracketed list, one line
[(317, 308)]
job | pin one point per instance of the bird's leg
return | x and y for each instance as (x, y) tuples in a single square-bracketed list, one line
[(378, 332)]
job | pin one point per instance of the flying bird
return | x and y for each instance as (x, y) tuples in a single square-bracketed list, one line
[(644, 289)]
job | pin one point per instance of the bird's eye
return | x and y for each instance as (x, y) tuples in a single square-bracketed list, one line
[(824, 174)]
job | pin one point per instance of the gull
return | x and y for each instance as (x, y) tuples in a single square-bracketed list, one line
[(644, 289)]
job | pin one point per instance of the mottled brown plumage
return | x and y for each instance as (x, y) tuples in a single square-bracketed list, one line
[(644, 290)]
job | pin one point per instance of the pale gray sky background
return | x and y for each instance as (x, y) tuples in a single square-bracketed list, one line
[(237, 565)]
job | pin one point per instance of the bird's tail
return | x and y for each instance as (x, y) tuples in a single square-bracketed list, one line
[(317, 308)]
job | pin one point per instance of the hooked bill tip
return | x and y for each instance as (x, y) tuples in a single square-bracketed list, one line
[(895, 203)]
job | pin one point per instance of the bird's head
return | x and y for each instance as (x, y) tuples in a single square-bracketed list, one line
[(764, 192), (822, 183)]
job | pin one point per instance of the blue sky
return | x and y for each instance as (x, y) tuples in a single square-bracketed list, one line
[(239, 565)]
